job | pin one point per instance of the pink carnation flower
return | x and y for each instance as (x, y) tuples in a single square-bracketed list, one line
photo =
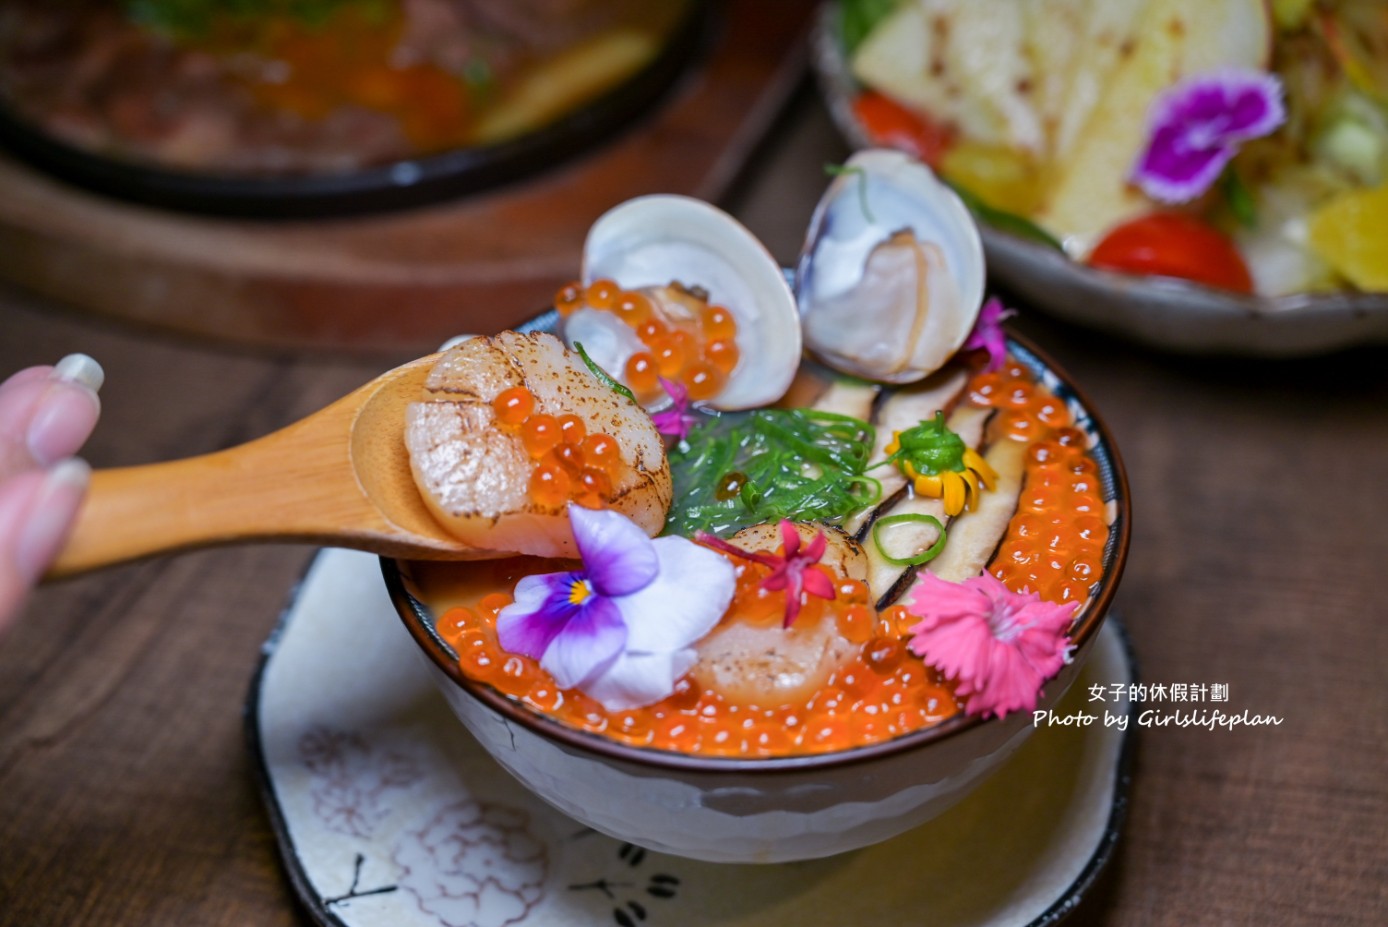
[(998, 645)]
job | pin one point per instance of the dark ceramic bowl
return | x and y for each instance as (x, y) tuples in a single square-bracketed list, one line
[(412, 182), (776, 809)]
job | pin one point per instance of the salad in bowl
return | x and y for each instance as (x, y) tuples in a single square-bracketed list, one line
[(1203, 175)]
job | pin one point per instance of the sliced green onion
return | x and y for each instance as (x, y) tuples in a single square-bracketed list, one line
[(602, 375), (924, 556)]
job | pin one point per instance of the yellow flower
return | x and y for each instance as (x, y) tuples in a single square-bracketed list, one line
[(959, 489)]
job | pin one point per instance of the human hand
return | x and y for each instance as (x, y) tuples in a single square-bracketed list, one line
[(46, 414)]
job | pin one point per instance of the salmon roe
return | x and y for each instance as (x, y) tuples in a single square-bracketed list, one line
[(883, 691), (1054, 544), (571, 464), (699, 351)]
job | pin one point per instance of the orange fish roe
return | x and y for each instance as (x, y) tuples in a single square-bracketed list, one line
[(601, 294), (884, 691), (570, 463), (699, 352), (569, 298), (1055, 542), (513, 406)]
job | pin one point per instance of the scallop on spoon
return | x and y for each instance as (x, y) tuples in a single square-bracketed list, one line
[(339, 477)]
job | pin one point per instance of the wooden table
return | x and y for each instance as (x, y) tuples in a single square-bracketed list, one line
[(1258, 562)]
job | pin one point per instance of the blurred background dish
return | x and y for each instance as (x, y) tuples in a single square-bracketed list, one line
[(1028, 120), (313, 107), (396, 283)]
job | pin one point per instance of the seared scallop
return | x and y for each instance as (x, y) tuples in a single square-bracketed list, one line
[(759, 663), (477, 469)]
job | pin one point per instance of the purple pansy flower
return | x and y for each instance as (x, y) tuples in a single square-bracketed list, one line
[(677, 420), (622, 628), (988, 334), (1196, 126)]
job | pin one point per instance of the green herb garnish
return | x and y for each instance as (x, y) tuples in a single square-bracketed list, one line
[(748, 468), (1004, 221), (602, 375), (929, 447), (195, 18), (1238, 198), (842, 170), (857, 19), (479, 76)]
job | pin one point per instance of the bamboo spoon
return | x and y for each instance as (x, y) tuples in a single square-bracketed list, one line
[(339, 477)]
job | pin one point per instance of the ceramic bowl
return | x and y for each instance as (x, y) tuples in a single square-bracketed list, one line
[(763, 810), (1166, 313)]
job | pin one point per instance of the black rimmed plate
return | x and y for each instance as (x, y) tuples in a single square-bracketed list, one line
[(411, 182)]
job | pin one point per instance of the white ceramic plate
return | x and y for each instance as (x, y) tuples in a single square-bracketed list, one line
[(389, 815), (1165, 313)]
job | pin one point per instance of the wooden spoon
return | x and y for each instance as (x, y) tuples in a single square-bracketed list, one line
[(340, 477)]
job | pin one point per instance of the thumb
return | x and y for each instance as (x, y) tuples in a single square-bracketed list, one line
[(37, 510)]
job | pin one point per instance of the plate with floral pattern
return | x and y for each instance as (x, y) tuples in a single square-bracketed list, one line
[(387, 813)]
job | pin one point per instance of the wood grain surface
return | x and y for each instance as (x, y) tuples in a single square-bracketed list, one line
[(1258, 562)]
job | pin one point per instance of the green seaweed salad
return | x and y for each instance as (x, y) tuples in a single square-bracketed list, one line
[(748, 468)]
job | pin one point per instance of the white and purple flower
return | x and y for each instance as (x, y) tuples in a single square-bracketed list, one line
[(1196, 127), (621, 629)]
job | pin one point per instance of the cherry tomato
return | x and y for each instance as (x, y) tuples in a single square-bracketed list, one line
[(889, 123), (1173, 244)]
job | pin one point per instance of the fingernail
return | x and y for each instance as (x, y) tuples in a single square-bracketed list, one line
[(66, 413), (80, 368), (51, 515)]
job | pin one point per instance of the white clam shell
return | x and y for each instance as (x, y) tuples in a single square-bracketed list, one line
[(653, 240), (895, 340)]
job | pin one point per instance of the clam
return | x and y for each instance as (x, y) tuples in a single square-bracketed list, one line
[(688, 257), (891, 278)]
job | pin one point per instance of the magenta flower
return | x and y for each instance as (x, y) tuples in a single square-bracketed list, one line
[(622, 628), (792, 571), (988, 334), (998, 645), (677, 420), (1196, 126)]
